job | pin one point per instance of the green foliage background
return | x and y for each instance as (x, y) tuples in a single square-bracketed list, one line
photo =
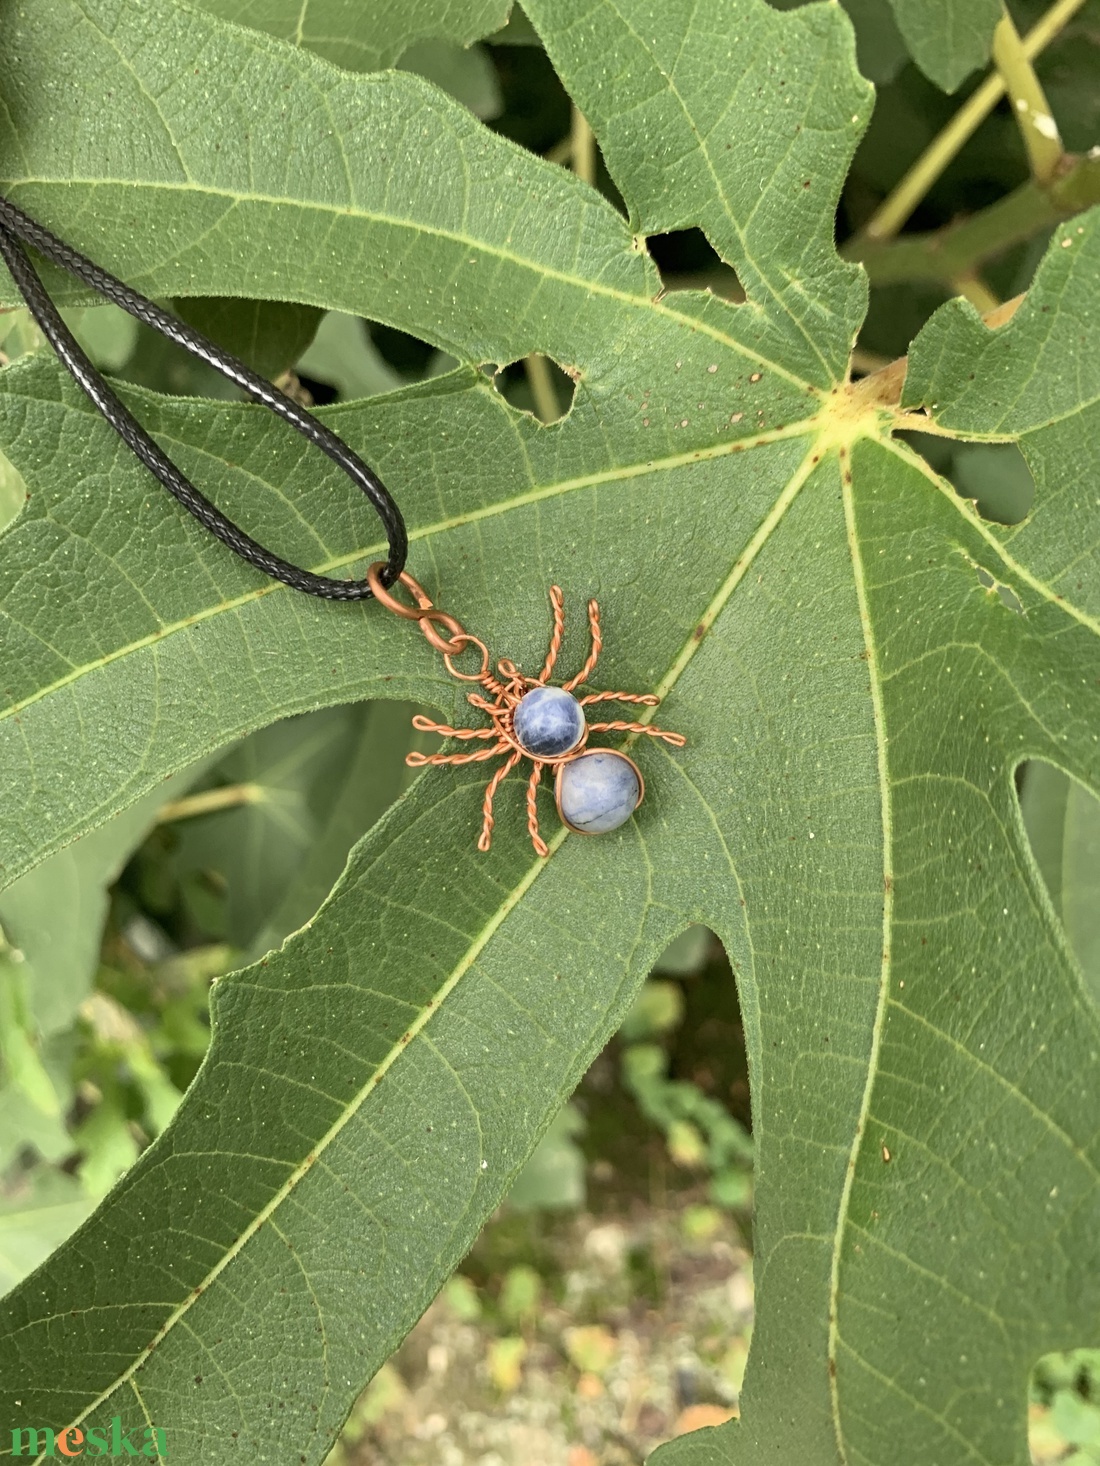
[(864, 633)]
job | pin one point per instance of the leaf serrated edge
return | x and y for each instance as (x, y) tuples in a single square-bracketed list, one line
[(356, 213)]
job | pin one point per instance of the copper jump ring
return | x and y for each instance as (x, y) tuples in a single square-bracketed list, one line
[(467, 641), (425, 611), (391, 603)]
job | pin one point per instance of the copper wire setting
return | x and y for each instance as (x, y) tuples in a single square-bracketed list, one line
[(502, 694)]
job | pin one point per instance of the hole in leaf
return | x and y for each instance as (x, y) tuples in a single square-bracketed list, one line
[(1005, 593), (536, 107), (660, 1211), (346, 360), (1062, 821), (466, 72), (687, 260), (896, 313), (267, 335), (1064, 1407), (249, 853), (670, 1092), (995, 475), (537, 385), (537, 110), (406, 354)]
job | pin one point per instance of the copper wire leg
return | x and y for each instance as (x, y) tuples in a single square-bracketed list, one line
[(485, 839), (594, 655), (425, 725), (650, 699), (477, 701), (422, 760), (557, 600), (676, 739), (541, 847)]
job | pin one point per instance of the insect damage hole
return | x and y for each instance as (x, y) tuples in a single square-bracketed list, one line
[(686, 260), (350, 358), (1062, 822), (538, 385), (1005, 593), (995, 476)]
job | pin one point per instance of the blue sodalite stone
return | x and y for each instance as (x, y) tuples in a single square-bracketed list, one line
[(548, 722), (598, 791)]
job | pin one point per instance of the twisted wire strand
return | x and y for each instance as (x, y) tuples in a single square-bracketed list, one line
[(676, 739), (541, 847), (557, 601), (485, 839), (18, 229), (594, 655), (417, 760), (425, 725), (650, 699)]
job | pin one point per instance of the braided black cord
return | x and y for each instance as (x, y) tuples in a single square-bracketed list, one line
[(16, 226)]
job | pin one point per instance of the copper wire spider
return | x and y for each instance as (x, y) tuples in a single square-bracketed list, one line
[(506, 693)]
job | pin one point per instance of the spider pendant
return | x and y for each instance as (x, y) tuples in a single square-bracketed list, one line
[(596, 790)]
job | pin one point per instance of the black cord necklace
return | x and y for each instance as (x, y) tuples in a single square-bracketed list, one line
[(15, 226), (596, 790)]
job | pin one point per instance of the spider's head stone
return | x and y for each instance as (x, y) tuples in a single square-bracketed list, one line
[(548, 722)]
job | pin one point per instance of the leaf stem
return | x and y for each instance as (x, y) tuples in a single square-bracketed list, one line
[(1032, 110), (893, 212), (583, 148), (960, 249), (230, 796), (541, 383), (974, 289)]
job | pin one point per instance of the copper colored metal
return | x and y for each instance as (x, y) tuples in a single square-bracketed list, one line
[(467, 640), (557, 603), (676, 739), (594, 655), (504, 692), (428, 615), (533, 810), (391, 603), (485, 839)]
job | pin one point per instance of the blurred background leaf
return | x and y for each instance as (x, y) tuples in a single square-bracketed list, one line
[(1063, 825)]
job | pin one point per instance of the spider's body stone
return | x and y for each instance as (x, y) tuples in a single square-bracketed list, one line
[(598, 791), (548, 722)]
